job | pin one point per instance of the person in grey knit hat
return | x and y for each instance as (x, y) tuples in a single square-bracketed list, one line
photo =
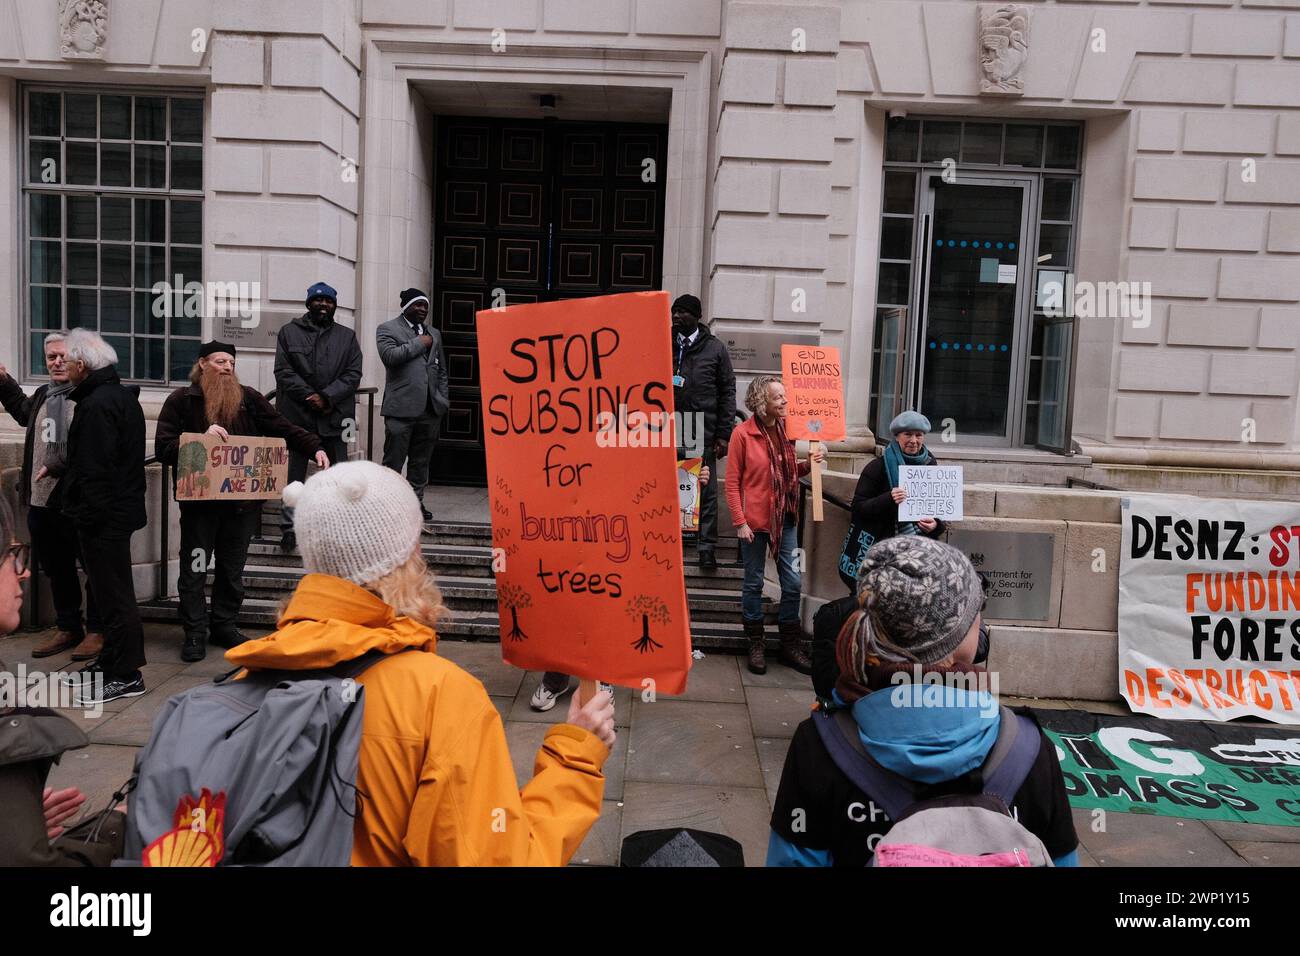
[(919, 601), (916, 630)]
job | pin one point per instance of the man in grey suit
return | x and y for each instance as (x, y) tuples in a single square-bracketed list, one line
[(415, 393)]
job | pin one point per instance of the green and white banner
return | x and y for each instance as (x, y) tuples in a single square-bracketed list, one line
[(1206, 771)]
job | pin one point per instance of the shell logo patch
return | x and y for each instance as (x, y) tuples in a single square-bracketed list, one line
[(197, 836)]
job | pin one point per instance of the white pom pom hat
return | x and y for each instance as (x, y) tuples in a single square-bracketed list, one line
[(355, 520)]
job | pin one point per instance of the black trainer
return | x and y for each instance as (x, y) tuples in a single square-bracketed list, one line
[(288, 542), (110, 690), (708, 562), (428, 515)]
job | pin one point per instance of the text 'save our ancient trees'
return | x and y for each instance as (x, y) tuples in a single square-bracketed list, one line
[(577, 401)]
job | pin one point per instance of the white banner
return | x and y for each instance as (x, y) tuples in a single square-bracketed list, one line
[(1209, 608), (933, 491)]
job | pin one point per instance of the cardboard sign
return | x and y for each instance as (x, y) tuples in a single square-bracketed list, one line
[(814, 391), (582, 475), (246, 468), (933, 491), (1209, 608), (688, 492)]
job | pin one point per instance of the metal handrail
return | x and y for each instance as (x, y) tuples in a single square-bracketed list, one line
[(370, 391)]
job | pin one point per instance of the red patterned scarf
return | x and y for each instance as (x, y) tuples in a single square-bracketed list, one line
[(785, 481)]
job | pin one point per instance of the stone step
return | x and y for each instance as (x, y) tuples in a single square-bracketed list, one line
[(258, 613), (458, 560), (469, 593), (469, 532)]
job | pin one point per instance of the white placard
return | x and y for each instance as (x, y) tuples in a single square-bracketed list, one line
[(1209, 608), (1007, 273), (933, 491)]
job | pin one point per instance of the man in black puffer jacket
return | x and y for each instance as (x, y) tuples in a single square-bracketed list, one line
[(103, 496), (704, 384)]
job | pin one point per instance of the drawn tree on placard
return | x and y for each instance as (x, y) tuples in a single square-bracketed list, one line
[(648, 608), (515, 597), (191, 463)]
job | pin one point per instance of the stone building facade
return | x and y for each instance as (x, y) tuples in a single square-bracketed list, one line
[(1121, 141)]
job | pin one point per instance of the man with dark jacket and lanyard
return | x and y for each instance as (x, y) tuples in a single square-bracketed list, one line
[(103, 496), (704, 385), (216, 403), (47, 413), (317, 371)]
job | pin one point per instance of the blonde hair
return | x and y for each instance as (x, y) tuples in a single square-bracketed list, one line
[(410, 590), (756, 394)]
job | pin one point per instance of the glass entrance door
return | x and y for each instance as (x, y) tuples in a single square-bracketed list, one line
[(969, 342)]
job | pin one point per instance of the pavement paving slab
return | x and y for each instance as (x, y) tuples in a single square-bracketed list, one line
[(714, 677), (1268, 854), (777, 711), (483, 660), (771, 761), (1139, 839), (98, 770), (692, 742)]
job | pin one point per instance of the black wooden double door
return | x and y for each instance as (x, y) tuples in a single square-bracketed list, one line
[(534, 211)]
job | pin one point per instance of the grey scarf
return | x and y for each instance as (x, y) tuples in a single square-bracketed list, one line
[(56, 411)]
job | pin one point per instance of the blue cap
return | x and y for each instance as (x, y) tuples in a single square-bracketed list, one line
[(320, 288), (909, 421)]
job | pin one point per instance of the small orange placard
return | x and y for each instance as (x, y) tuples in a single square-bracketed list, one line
[(582, 475), (814, 391)]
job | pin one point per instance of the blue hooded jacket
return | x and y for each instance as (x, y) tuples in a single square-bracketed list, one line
[(927, 744)]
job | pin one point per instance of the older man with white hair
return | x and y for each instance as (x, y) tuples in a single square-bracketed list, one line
[(47, 413), (103, 496)]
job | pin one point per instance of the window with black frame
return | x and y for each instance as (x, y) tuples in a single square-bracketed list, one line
[(112, 196)]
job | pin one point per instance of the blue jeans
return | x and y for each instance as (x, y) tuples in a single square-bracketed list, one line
[(754, 554)]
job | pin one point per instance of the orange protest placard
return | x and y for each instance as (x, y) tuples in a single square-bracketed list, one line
[(814, 391), (582, 475), (245, 468)]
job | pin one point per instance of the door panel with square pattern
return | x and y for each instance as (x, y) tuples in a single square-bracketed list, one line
[(534, 211)]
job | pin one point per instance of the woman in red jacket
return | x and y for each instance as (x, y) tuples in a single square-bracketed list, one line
[(763, 491)]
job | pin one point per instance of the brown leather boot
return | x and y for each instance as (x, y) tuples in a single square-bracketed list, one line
[(757, 651), (792, 652), (89, 649), (57, 644)]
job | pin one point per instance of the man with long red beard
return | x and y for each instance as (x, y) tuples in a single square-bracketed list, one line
[(216, 403)]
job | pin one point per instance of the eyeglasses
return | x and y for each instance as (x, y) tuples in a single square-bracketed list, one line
[(21, 553)]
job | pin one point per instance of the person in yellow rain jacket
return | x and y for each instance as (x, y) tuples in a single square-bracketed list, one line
[(436, 781)]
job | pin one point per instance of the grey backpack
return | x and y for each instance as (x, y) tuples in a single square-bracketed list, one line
[(960, 829), (282, 746)]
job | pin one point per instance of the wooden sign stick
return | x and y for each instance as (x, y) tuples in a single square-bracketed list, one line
[(813, 448), (587, 689)]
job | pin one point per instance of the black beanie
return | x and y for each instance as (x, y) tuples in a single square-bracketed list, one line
[(410, 295), (687, 303), (210, 348)]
